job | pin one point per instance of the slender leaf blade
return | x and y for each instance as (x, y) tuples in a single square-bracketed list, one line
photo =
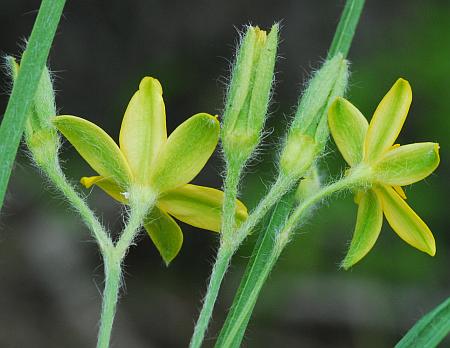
[(31, 67), (256, 265), (430, 330)]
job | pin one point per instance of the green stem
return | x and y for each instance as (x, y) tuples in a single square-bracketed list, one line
[(256, 273), (264, 259), (345, 31), (110, 297), (356, 179), (282, 185), (24, 89), (141, 204), (218, 272), (138, 211), (229, 201), (224, 253), (57, 177), (228, 246)]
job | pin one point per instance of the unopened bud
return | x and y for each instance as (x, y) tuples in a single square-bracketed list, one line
[(308, 133), (249, 93), (40, 134), (309, 185)]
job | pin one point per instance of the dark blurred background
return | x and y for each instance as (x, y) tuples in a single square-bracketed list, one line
[(50, 272)]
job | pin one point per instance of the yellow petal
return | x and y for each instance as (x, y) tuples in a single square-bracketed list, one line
[(96, 147), (400, 191), (109, 186), (388, 119), (348, 128), (199, 206), (165, 234), (367, 230), (405, 222), (407, 164), (143, 130), (186, 152)]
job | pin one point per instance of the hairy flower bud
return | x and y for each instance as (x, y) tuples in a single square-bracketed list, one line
[(309, 185), (309, 130), (249, 93), (40, 134)]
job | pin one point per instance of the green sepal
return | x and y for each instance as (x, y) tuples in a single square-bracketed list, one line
[(299, 153)]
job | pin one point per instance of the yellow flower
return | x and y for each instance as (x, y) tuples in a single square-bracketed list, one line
[(148, 159), (370, 147)]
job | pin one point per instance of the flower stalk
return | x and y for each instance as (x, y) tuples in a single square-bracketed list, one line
[(305, 142)]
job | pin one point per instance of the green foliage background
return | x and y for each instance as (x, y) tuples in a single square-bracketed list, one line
[(49, 275)]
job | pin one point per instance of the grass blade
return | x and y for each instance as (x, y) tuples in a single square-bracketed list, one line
[(232, 333), (31, 67), (430, 330)]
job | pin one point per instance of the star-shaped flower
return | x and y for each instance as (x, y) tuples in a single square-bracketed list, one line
[(371, 147), (147, 158)]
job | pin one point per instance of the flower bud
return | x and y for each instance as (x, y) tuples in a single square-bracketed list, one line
[(40, 134), (309, 185), (249, 93), (309, 130)]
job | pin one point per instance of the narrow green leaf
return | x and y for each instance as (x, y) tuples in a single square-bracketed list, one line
[(255, 274), (346, 29), (32, 65), (430, 330)]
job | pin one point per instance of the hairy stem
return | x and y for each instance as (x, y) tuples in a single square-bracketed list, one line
[(53, 170), (218, 272), (224, 253), (263, 262), (278, 189), (229, 201), (142, 202), (113, 272), (257, 271), (348, 182), (24, 89), (228, 246), (239, 316)]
